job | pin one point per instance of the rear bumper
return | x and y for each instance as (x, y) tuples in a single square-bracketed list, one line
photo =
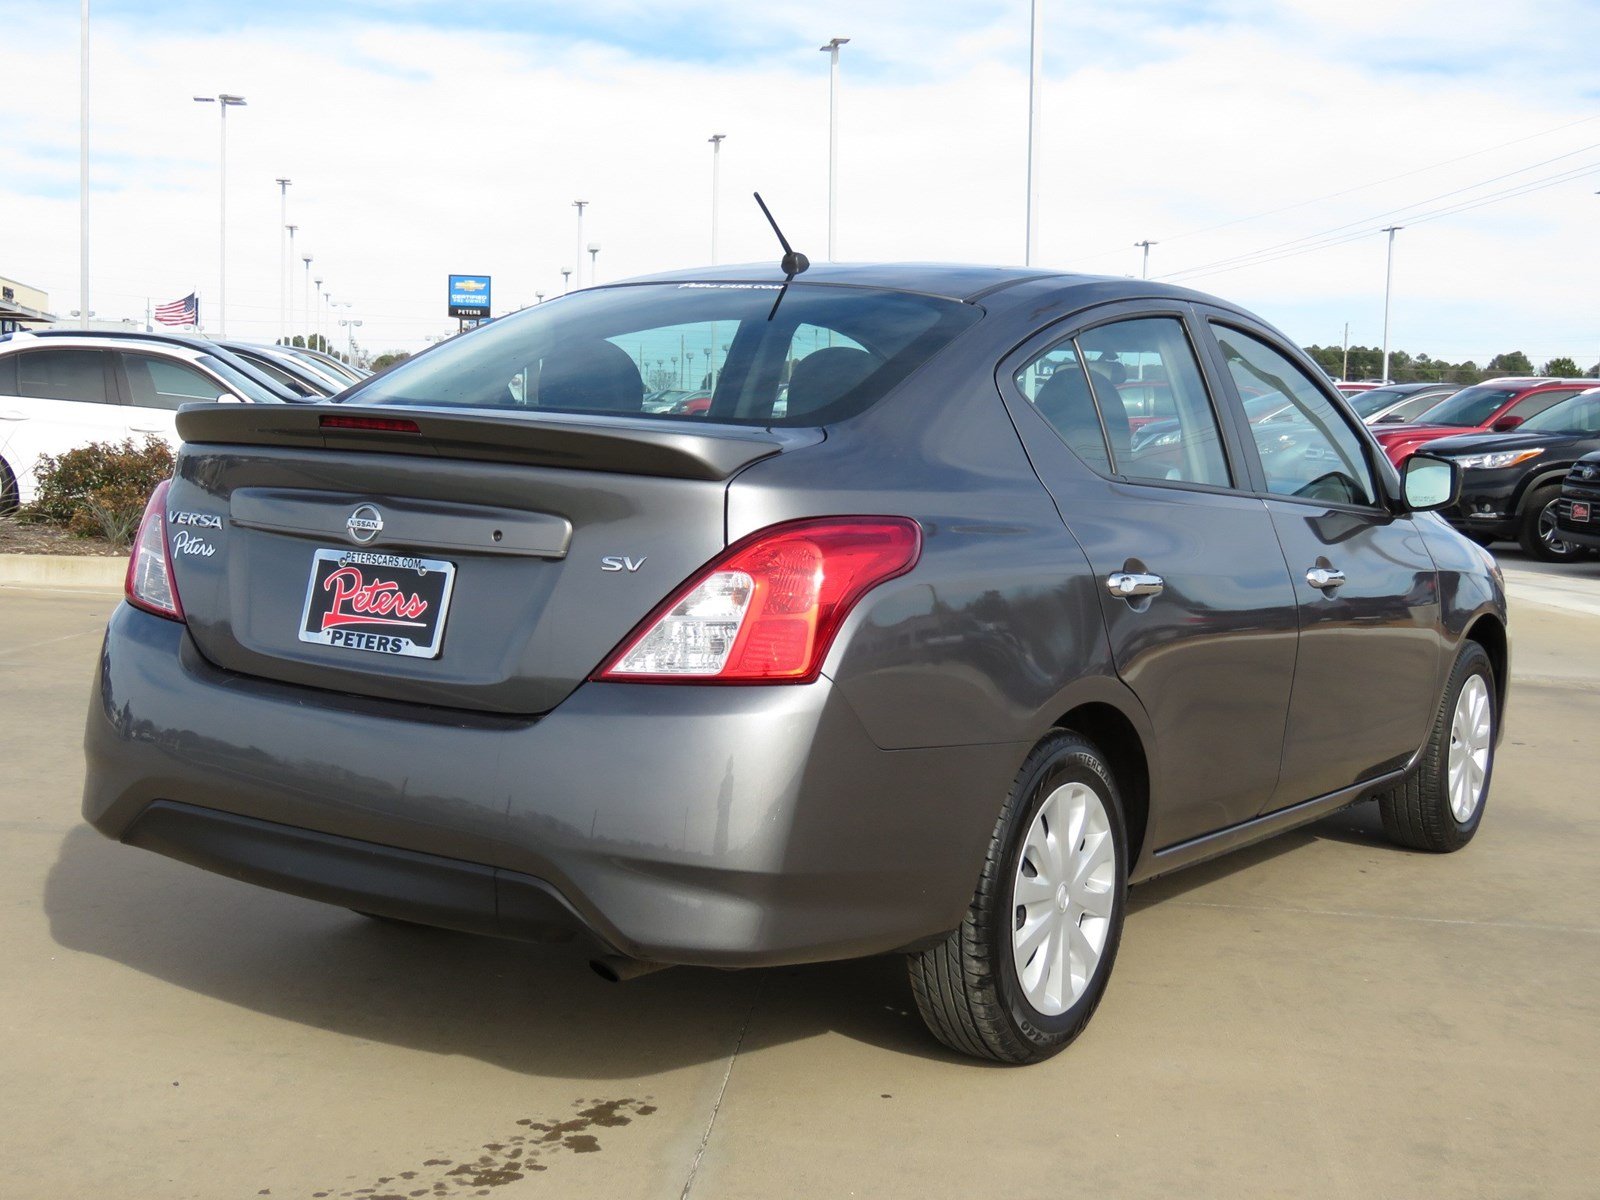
[(722, 826)]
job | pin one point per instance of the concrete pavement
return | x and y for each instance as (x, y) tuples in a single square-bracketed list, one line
[(1323, 1015)]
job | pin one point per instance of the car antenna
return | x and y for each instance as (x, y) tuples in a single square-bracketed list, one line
[(793, 261)]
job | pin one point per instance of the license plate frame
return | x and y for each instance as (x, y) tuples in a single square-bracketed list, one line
[(369, 602)]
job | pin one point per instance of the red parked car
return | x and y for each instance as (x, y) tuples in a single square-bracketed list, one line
[(1495, 406)]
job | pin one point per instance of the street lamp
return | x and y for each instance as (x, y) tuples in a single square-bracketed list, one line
[(224, 102), (580, 205), (313, 319), (1388, 285), (1144, 271), (322, 314), (566, 274), (289, 269), (351, 326), (1035, 78), (83, 165), (716, 162), (285, 261), (538, 297), (594, 259), (307, 260), (832, 50)]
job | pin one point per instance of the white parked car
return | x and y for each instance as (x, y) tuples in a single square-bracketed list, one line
[(59, 391)]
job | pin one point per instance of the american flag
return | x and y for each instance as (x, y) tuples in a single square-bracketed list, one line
[(180, 312)]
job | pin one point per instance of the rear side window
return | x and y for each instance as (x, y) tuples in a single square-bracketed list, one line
[(1314, 454), (63, 375), (687, 352), (8, 374), (1532, 406), (162, 383), (1128, 398)]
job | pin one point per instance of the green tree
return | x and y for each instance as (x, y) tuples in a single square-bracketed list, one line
[(1562, 368), (389, 358), (1515, 363)]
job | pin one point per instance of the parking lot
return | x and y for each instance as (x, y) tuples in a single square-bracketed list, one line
[(1322, 1015)]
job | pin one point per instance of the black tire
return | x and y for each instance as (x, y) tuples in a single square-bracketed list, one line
[(1536, 528), (967, 987), (1417, 813), (8, 489)]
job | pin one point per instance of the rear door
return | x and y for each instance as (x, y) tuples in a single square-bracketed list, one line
[(63, 398), (1367, 676), (1196, 599), (155, 387)]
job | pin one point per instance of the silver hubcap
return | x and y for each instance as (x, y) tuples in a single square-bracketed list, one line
[(1470, 742), (1062, 898)]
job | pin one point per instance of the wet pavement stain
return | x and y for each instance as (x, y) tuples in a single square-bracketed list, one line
[(504, 1160)]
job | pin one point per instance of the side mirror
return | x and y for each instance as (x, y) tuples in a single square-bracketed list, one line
[(1430, 483), (1507, 424)]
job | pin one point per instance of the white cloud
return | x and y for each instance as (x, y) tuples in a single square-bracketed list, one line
[(416, 151)]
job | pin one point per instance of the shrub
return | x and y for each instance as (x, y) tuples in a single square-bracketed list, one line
[(100, 490)]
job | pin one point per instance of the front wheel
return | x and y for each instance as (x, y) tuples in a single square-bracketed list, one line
[(1537, 533), (1024, 972), (1439, 805)]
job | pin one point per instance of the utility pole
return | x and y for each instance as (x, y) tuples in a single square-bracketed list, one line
[(285, 259), (716, 163), (580, 205), (1035, 79), (83, 170), (1144, 271), (832, 50), (1388, 288)]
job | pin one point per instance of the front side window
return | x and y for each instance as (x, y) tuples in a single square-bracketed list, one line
[(1577, 413), (63, 375), (1310, 451), (686, 351)]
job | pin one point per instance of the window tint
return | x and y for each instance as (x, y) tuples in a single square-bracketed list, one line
[(1469, 406), (1314, 453), (1577, 413), (163, 383), (1530, 406), (609, 350), (1158, 416), (1057, 387), (63, 375)]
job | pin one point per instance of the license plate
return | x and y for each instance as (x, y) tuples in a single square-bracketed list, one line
[(1580, 510), (380, 603)]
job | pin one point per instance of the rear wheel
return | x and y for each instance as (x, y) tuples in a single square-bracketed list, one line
[(8, 489), (1439, 805), (1022, 975), (1537, 533)]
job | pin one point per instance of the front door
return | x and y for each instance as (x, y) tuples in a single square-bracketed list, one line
[(1196, 598), (1368, 673)]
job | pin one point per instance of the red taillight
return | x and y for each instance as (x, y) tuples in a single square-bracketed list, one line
[(375, 424), (150, 584), (767, 609)]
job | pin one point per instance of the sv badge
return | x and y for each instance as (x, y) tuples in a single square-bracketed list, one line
[(620, 562)]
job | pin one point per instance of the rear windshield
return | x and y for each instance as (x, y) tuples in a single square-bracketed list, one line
[(1469, 406), (686, 352)]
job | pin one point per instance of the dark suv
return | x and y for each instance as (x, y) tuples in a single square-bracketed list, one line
[(1578, 512)]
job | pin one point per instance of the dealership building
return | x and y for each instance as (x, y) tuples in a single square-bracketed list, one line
[(22, 307)]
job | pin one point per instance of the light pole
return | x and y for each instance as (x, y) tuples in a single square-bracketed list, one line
[(322, 319), (289, 280), (307, 260), (83, 169), (832, 50), (224, 102), (1388, 287), (285, 261), (716, 163), (351, 326), (1144, 271), (538, 297), (566, 274), (314, 319), (580, 205), (594, 263), (1035, 78)]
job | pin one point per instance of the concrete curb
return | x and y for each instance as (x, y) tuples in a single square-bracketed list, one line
[(62, 570)]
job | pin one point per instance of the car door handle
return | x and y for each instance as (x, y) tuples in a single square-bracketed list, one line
[(1325, 579), (1127, 584), (9, 414)]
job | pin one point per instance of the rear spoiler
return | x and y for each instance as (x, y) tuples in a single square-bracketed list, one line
[(632, 446)]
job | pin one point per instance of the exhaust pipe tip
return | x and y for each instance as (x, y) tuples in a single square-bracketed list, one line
[(614, 968)]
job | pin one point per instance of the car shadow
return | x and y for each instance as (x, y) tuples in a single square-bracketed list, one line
[(537, 1010)]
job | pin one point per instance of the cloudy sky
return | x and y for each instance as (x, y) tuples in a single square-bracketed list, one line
[(1260, 143)]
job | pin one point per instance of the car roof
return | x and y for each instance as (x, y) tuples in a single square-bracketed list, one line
[(953, 281)]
